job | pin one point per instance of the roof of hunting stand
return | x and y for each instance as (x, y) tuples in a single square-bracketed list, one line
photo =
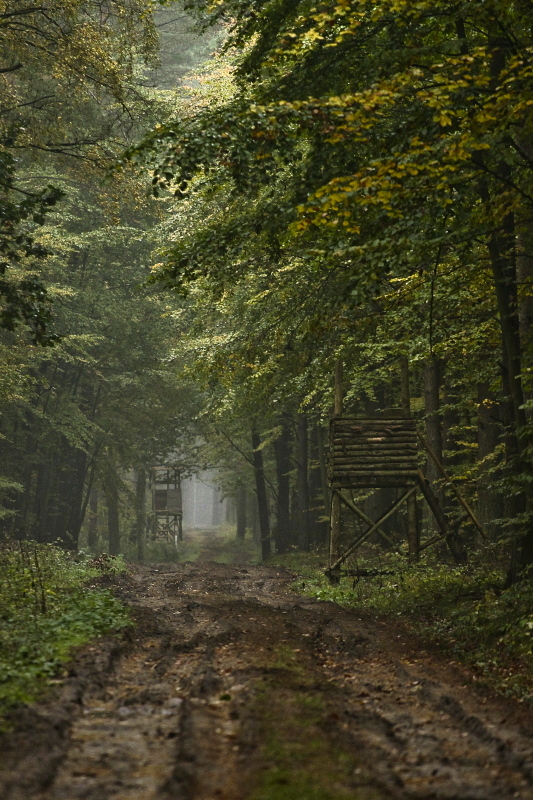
[(372, 452)]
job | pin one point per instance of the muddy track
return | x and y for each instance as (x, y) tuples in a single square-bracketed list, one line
[(233, 687)]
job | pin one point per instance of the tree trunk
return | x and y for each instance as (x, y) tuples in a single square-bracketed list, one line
[(432, 372), (503, 264), (283, 468), (58, 500), (489, 430), (450, 423), (180, 506), (253, 514), (113, 521), (378, 504), (230, 510), (336, 517), (261, 492), (502, 252), (140, 512), (323, 471), (410, 522), (433, 424), (524, 269), (216, 511), (241, 512), (302, 482), (92, 542), (318, 526)]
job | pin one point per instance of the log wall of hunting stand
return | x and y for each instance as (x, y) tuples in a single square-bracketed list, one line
[(367, 453)]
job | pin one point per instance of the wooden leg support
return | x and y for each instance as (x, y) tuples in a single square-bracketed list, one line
[(453, 540), (334, 568)]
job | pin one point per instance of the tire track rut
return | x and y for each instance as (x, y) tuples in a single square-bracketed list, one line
[(234, 688)]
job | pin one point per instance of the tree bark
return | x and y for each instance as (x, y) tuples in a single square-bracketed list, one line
[(92, 542), (180, 506), (140, 512), (241, 512), (336, 520), (411, 522), (450, 422), (283, 468), (524, 271), (58, 499), (432, 405), (216, 510), (230, 510), (261, 492), (501, 247), (489, 430), (302, 482), (318, 525), (253, 514), (432, 375), (323, 471), (113, 519)]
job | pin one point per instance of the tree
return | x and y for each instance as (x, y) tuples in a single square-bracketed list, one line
[(365, 143), (67, 86)]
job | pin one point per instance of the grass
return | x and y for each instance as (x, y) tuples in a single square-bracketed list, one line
[(465, 611), (47, 610), (300, 760)]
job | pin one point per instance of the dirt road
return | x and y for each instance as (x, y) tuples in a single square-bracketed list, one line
[(232, 687)]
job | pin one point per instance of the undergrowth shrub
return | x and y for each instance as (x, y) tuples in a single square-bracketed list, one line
[(464, 609), (47, 609)]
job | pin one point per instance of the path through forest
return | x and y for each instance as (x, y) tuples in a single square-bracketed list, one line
[(232, 686)]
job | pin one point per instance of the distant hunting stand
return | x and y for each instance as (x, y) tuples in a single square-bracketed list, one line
[(382, 452), (167, 505)]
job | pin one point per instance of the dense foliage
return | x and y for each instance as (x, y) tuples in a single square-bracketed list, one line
[(105, 398), (365, 193), (47, 610)]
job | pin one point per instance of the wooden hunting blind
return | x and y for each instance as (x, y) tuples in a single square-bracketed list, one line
[(382, 452), (167, 503), (373, 452)]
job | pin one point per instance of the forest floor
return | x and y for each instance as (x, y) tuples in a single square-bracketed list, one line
[(233, 687)]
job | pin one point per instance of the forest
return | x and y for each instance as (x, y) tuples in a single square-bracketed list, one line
[(224, 224)]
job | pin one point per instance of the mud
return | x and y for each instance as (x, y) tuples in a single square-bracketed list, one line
[(232, 687)]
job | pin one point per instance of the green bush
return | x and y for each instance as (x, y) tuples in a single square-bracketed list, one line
[(47, 609), (465, 610)]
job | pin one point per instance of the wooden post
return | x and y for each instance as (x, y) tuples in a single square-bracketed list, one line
[(335, 531), (453, 541), (413, 534)]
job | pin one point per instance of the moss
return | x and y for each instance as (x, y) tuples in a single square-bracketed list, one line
[(300, 758)]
